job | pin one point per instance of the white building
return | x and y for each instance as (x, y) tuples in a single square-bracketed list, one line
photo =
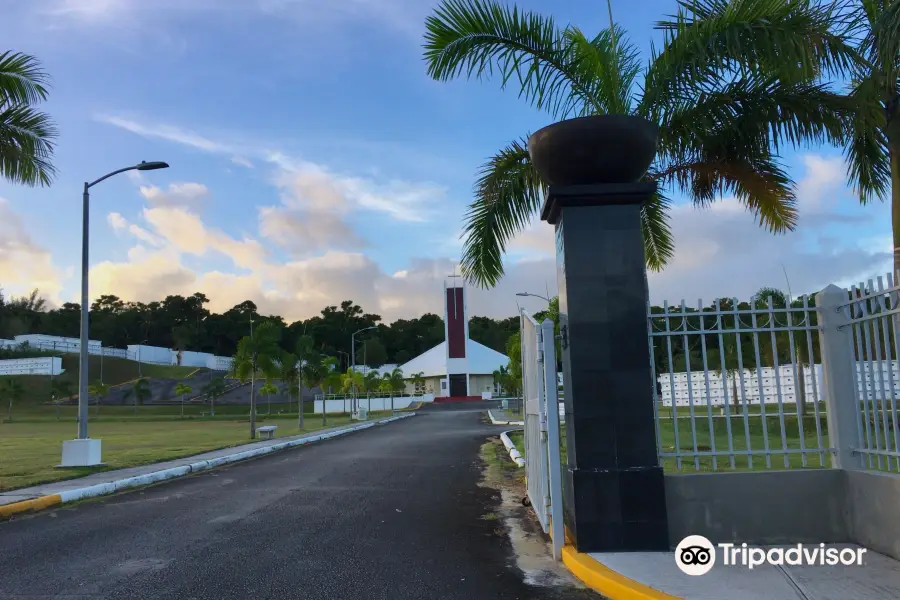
[(458, 367)]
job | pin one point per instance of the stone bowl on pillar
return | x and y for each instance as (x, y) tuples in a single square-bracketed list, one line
[(596, 149)]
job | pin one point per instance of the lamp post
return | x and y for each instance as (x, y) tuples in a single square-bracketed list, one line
[(83, 451), (353, 359)]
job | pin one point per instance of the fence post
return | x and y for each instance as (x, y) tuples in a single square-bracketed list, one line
[(839, 384), (551, 404)]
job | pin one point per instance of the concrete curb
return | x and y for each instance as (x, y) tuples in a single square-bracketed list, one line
[(103, 489), (607, 582), (511, 448), (496, 422)]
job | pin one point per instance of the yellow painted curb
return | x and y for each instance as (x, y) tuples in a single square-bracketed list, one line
[(41, 503), (604, 580)]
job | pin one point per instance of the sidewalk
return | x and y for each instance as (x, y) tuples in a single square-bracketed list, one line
[(654, 575), (174, 468)]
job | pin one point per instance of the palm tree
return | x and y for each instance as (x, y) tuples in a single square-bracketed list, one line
[(732, 83), (256, 353), (212, 390), (182, 389), (26, 135), (99, 390), (873, 149), (140, 391), (395, 382), (418, 381), (268, 388), (13, 390), (313, 373), (289, 372)]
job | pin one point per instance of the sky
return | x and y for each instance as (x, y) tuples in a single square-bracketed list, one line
[(313, 160)]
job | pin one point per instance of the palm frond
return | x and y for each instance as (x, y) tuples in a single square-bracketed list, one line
[(882, 44), (761, 110), (614, 62), (26, 145), (479, 37), (710, 39), (866, 152), (507, 194), (22, 81), (659, 247), (757, 182)]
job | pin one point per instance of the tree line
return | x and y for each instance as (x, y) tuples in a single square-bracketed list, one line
[(185, 323)]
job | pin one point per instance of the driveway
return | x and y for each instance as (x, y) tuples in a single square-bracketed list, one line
[(392, 512)]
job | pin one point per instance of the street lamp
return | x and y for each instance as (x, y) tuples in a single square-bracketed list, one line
[(353, 357), (533, 295), (83, 451)]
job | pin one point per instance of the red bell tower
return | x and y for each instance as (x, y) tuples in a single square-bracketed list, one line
[(456, 330)]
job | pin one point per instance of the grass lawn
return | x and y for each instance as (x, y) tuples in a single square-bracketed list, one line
[(30, 450), (718, 436)]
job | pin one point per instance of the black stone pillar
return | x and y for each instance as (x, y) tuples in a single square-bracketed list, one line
[(614, 489)]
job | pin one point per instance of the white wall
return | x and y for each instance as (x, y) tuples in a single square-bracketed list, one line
[(219, 363), (44, 365), (60, 344), (152, 354), (873, 382), (339, 406), (194, 359)]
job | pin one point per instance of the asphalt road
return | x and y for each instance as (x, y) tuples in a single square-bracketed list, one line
[(393, 512)]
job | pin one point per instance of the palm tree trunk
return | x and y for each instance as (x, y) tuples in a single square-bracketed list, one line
[(253, 404), (9, 414), (300, 404), (182, 406)]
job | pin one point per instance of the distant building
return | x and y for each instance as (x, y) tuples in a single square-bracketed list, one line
[(457, 367)]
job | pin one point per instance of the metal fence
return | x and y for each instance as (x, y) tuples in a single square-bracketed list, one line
[(737, 385), (871, 314), (543, 470)]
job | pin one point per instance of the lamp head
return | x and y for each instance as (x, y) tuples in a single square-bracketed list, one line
[(152, 166)]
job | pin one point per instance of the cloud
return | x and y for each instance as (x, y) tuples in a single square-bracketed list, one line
[(297, 288), (186, 232), (189, 195), (303, 232), (311, 186), (721, 252), (24, 264), (166, 132), (307, 185), (241, 162), (116, 221)]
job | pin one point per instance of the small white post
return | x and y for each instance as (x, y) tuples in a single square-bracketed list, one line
[(839, 389)]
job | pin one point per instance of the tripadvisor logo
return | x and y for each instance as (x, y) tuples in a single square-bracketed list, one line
[(696, 555)]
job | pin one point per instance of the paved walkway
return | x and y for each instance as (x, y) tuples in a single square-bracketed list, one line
[(57, 487), (393, 512)]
